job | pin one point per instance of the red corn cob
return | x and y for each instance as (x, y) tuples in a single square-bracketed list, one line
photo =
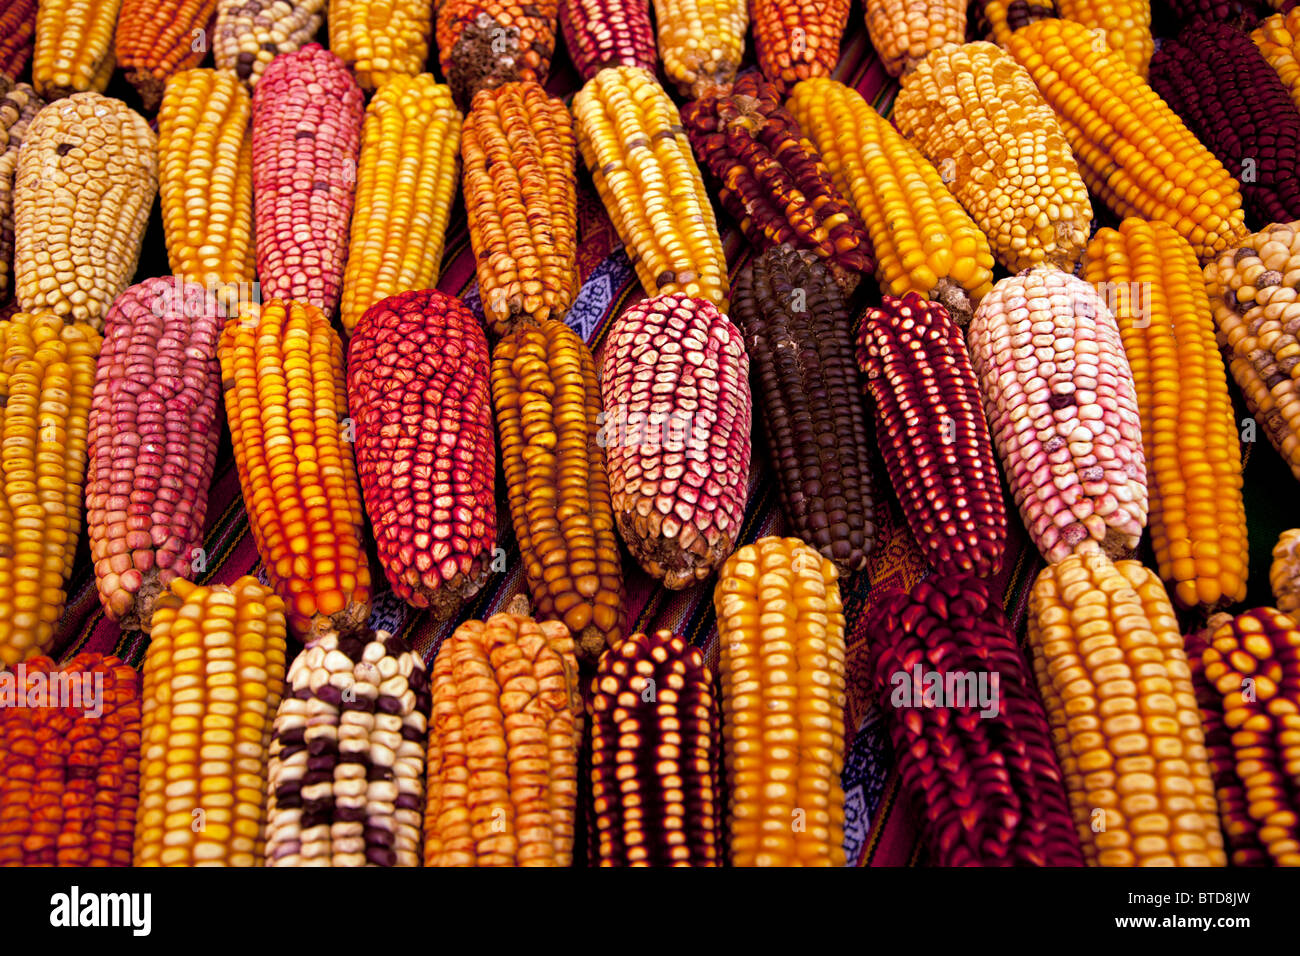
[(154, 427), (983, 773), (418, 392), (307, 112), (601, 33), (796, 40), (18, 105), (932, 434), (17, 36)]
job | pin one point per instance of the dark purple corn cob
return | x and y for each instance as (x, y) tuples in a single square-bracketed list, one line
[(601, 33), (1243, 13)]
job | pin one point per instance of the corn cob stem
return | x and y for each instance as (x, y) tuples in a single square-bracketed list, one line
[(251, 33), (17, 36), (602, 33), (74, 46), (19, 105), (794, 41), (156, 39), (701, 43), (380, 40)]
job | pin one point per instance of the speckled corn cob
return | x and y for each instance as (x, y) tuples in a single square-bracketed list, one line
[(1134, 152), (484, 43), (418, 393), (1189, 433), (1110, 665), (521, 203), (213, 677), (1062, 409), (676, 434), (47, 376), (19, 104), (801, 344), (654, 755), (995, 20), (251, 33), (547, 403), (904, 31), (977, 116), (1123, 25), (205, 172), (345, 781), (782, 651), (1278, 39), (796, 40), (74, 46), (601, 33), (504, 735), (979, 767), (69, 775), (87, 174), (1284, 572), (406, 184), (156, 39), (17, 36), (154, 427), (306, 138), (381, 40), (923, 240), (631, 138), (701, 43), (772, 181), (931, 432), (1258, 322), (282, 371)]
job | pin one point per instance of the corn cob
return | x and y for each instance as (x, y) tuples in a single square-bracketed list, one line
[(251, 33), (601, 33), (418, 393), (379, 40), (17, 36), (306, 137), (19, 104), (154, 428), (772, 181), (654, 755), (1197, 515), (631, 138), (73, 52), (979, 765), (87, 174), (1253, 663), (406, 184), (1278, 39), (70, 765), (676, 434), (157, 39), (924, 241), (975, 113), (547, 403), (1243, 13), (205, 167), (1256, 313), (1134, 152), (1124, 26), (521, 203), (801, 344), (904, 31), (931, 432), (47, 376), (504, 735), (213, 678), (701, 43), (484, 43), (1284, 573), (995, 20), (793, 41), (782, 651), (345, 781), (1110, 665)]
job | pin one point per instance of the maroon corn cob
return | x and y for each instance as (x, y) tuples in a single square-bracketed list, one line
[(154, 427), (933, 435), (418, 394), (1217, 80), (17, 36), (654, 755), (1243, 13), (307, 112), (982, 774), (601, 33), (675, 391), (18, 104), (801, 345)]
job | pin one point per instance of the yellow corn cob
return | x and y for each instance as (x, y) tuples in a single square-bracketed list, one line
[(282, 371), (1149, 275), (904, 31), (701, 43), (782, 652), (521, 204), (1110, 664), (381, 40), (631, 138), (1284, 573), (924, 241), (74, 46), (47, 381), (1278, 38), (1123, 25), (205, 173), (406, 184), (213, 677)]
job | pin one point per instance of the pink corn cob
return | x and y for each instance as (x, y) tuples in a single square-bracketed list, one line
[(1062, 408), (307, 113), (675, 389), (601, 33), (153, 443)]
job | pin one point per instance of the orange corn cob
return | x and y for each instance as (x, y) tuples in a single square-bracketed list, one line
[(17, 35), (484, 43), (796, 39), (156, 39)]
